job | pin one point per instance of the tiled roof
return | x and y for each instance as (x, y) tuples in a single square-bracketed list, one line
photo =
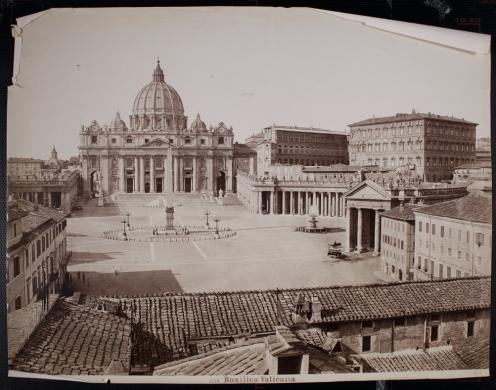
[(76, 339), (15, 214), (474, 352), (175, 320), (331, 168), (468, 208), (249, 356), (404, 213), (24, 160), (443, 358), (237, 359), (307, 130), (401, 117), (42, 211)]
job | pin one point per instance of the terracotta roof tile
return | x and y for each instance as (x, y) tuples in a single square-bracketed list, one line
[(175, 320), (443, 358), (404, 213), (468, 208)]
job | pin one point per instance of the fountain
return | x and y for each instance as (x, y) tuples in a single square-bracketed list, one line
[(311, 226)]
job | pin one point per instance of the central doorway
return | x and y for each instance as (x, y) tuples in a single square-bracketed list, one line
[(221, 182), (129, 185), (158, 184), (187, 184), (147, 187)]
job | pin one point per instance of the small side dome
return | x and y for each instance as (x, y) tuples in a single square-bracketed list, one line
[(117, 124), (198, 124)]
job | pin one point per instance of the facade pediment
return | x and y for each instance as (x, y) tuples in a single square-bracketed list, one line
[(156, 142), (367, 190)]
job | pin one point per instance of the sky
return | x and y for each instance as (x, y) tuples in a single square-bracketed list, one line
[(248, 67)]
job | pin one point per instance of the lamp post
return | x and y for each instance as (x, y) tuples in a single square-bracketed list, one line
[(207, 213), (128, 215), (216, 220), (124, 235)]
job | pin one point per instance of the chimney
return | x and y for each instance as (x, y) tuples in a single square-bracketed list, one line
[(316, 308)]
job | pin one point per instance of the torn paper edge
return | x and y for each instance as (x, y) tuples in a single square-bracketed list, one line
[(17, 30), (466, 41)]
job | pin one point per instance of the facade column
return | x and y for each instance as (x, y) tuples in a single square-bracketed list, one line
[(283, 202), (49, 199), (152, 174), (377, 233), (181, 174), (136, 174), (142, 174), (299, 201), (259, 202), (342, 204), (210, 175), (349, 229), (329, 210), (122, 174), (195, 176), (314, 198), (359, 230)]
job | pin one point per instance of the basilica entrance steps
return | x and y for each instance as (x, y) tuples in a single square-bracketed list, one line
[(232, 200), (157, 200)]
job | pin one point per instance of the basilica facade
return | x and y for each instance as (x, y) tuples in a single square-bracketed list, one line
[(158, 152)]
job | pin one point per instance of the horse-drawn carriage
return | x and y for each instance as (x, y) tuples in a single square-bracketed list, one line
[(335, 251)]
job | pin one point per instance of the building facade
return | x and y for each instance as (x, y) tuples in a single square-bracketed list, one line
[(398, 242), (43, 182), (300, 146), (36, 252), (453, 239), (433, 144), (118, 158)]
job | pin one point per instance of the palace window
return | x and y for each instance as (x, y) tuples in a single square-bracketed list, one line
[(94, 139), (366, 343), (187, 141), (17, 266), (114, 140), (129, 140), (146, 140), (434, 332), (221, 141), (470, 328), (202, 141), (479, 239)]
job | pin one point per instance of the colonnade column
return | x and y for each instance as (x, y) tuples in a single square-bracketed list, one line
[(49, 199), (142, 174), (181, 174), (299, 201), (348, 231), (136, 175), (259, 202), (284, 202), (272, 201), (229, 178), (342, 205), (210, 175), (377, 233), (152, 174), (359, 230)]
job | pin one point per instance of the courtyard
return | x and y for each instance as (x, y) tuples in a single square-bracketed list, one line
[(265, 253)]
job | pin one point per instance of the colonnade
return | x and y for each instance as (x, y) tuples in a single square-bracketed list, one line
[(296, 202)]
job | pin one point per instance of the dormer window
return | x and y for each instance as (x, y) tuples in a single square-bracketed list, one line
[(221, 140)]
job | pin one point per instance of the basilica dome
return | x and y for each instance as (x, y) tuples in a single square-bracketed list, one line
[(158, 97)]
